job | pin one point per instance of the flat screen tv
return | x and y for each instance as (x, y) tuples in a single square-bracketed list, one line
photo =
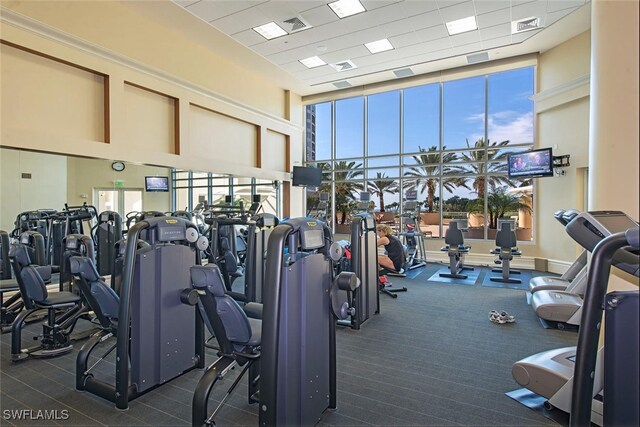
[(306, 176), (531, 164), (156, 183)]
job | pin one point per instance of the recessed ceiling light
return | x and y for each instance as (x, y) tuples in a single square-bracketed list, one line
[(462, 25), (344, 8), (312, 62), (379, 46), (270, 31)]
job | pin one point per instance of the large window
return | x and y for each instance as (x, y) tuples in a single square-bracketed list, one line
[(444, 143)]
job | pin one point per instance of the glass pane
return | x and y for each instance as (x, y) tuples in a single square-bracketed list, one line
[(462, 205), (349, 128), (132, 201), (426, 192), (383, 123), (511, 203), (182, 199), (200, 195), (318, 131), (463, 111), (510, 109), (382, 161), (421, 117), (107, 200), (384, 192), (393, 173)]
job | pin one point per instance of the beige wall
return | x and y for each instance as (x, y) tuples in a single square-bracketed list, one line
[(149, 126)]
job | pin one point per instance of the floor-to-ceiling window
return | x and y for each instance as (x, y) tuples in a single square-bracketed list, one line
[(444, 143)]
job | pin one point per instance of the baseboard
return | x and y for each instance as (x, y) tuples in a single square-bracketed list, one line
[(557, 266), (483, 260)]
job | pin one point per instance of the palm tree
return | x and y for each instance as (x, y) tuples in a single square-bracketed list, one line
[(499, 203), (428, 171), (380, 185), (346, 186), (487, 158)]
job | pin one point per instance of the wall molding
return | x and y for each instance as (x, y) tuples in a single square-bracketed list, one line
[(26, 23), (562, 94)]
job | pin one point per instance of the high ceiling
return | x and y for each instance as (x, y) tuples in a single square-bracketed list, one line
[(415, 28)]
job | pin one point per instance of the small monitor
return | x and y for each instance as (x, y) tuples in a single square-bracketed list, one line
[(228, 200), (156, 183), (365, 196), (511, 222), (306, 176), (256, 198), (324, 197), (531, 164)]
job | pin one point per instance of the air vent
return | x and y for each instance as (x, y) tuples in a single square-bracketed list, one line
[(526, 24), (477, 57), (342, 85), (295, 24), (343, 66), (404, 72)]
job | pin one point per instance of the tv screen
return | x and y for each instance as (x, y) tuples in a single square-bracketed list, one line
[(531, 164), (306, 176), (156, 183)]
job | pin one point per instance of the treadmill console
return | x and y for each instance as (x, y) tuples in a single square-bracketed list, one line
[(589, 228)]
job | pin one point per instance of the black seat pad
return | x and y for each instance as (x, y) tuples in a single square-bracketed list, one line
[(256, 332), (59, 298)]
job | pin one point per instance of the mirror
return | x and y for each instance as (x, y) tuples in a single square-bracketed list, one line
[(31, 181)]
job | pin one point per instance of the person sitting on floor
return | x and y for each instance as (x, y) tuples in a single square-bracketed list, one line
[(394, 260)]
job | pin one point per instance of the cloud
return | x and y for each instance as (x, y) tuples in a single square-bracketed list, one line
[(507, 125)]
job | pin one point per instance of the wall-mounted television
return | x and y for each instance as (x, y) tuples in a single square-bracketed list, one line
[(306, 176), (156, 183), (531, 164)]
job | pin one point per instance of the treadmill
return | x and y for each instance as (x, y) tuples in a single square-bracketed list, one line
[(550, 373), (576, 272), (588, 229)]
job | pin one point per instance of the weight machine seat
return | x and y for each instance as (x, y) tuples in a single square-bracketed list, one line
[(230, 260), (219, 308), (253, 310), (102, 299), (33, 289)]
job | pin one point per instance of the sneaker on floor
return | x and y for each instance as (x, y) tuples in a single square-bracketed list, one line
[(501, 317)]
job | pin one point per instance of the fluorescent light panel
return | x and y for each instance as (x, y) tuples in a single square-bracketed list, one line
[(379, 46), (344, 8), (462, 25), (312, 62), (270, 31)]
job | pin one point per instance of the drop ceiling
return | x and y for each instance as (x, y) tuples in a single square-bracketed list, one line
[(415, 28)]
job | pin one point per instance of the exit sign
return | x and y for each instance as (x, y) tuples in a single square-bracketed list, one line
[(119, 184)]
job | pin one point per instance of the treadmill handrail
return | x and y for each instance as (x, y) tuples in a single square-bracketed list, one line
[(589, 334)]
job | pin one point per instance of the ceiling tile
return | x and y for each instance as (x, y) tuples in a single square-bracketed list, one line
[(403, 40), (552, 17), (376, 4), (308, 5), (240, 21), (248, 37), (520, 37), (538, 8), (468, 49), (486, 6), (319, 16), (447, 3), (424, 20), (458, 11), (349, 53), (432, 33), (497, 42), (553, 6), (466, 38), (185, 3), (211, 10), (496, 31), (417, 7), (494, 18)]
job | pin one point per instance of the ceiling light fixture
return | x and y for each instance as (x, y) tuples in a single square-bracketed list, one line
[(379, 46), (462, 25), (312, 62), (344, 8), (270, 31)]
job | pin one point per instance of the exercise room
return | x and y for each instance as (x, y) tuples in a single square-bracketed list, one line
[(351, 212)]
